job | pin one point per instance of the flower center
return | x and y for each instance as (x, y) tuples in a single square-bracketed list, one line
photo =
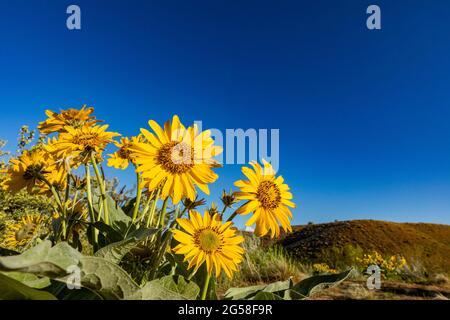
[(88, 140), (269, 195), (25, 232), (124, 153), (176, 157), (32, 172), (76, 123), (208, 240)]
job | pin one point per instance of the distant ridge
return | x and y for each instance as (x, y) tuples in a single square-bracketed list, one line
[(424, 244)]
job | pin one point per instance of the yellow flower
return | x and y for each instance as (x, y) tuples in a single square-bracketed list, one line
[(323, 268), (267, 197), (78, 143), (122, 157), (33, 169), (176, 158), (23, 232), (209, 240), (75, 118)]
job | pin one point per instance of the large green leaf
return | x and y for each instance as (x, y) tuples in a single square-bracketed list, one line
[(286, 289), (106, 278), (97, 274), (29, 279), (243, 293), (43, 260), (314, 284), (170, 288), (100, 275), (11, 289), (249, 292), (263, 295), (62, 292), (117, 250)]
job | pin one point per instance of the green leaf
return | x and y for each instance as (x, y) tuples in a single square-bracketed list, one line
[(102, 276), (111, 235), (243, 293), (170, 288), (106, 278), (62, 292), (29, 279), (262, 295), (314, 284), (117, 250), (118, 219), (278, 286), (252, 291), (11, 289), (43, 260)]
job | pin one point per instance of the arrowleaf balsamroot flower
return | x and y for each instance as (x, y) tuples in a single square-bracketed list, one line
[(176, 158), (22, 232), (207, 239), (268, 197), (78, 143), (75, 118), (122, 157), (33, 169)]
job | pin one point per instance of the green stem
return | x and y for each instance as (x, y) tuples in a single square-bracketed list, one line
[(102, 188), (205, 287), (91, 206), (152, 211), (232, 216), (162, 217), (138, 197), (62, 209), (89, 194), (223, 211)]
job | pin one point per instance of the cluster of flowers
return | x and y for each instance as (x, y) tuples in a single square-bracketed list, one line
[(171, 162), (387, 265), (323, 268)]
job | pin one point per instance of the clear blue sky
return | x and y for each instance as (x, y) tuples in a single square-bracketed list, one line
[(363, 115)]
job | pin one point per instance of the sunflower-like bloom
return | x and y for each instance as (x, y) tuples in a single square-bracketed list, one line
[(209, 240), (78, 143), (176, 158), (268, 197), (21, 233), (75, 118), (33, 170), (122, 157)]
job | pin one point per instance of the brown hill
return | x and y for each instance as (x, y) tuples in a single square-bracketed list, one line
[(422, 244)]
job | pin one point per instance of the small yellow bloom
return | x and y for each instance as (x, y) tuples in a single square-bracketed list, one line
[(122, 157), (74, 118), (207, 239), (268, 197)]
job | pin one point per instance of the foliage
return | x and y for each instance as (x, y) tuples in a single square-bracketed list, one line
[(113, 243), (389, 265)]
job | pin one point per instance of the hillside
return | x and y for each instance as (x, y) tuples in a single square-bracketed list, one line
[(422, 244)]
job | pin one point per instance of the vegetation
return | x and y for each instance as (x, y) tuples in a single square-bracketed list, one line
[(66, 225), (425, 246)]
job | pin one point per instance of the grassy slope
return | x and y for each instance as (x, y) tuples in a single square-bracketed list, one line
[(420, 243)]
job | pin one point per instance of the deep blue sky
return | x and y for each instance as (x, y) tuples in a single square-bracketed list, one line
[(363, 115)]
